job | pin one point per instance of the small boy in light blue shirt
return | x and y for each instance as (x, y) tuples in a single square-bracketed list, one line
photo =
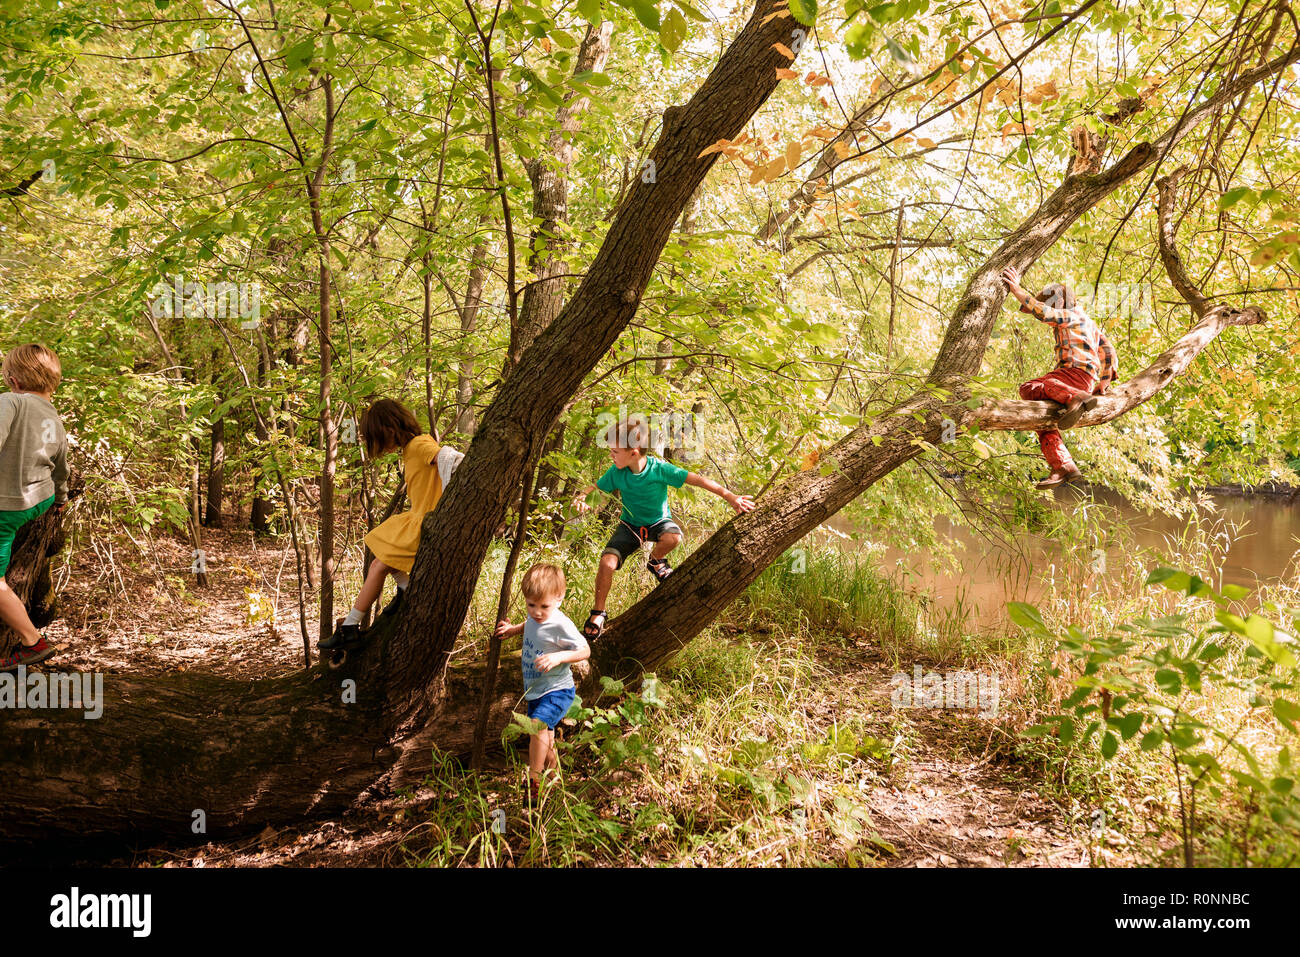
[(551, 643)]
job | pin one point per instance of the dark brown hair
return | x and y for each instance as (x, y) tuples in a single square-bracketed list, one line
[(387, 424)]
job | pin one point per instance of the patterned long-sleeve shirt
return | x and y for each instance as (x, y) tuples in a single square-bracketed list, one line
[(1080, 344)]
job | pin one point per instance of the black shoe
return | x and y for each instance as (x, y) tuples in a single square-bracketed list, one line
[(344, 635), (392, 607)]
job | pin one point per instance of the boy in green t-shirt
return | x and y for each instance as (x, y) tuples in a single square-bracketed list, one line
[(642, 483)]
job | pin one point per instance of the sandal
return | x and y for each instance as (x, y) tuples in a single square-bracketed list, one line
[(659, 567), (595, 626)]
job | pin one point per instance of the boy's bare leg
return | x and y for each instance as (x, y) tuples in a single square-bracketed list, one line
[(15, 616), (540, 747), (667, 542), (370, 591), (604, 579)]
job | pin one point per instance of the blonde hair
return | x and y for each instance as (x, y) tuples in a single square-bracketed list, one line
[(543, 581), (33, 367)]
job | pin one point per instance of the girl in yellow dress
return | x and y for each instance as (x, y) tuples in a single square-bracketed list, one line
[(386, 427)]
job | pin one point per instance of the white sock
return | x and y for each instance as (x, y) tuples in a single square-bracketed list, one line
[(402, 579), (354, 617)]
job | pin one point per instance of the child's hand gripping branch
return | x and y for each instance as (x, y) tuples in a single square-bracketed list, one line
[(1086, 366), (642, 482)]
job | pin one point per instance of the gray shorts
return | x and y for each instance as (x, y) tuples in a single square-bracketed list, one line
[(627, 538)]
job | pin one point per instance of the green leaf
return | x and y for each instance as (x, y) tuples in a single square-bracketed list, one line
[(1130, 724), (1235, 592), (1288, 712), (1169, 681), (672, 31), (1109, 745), (1234, 196), (805, 11), (1152, 740), (691, 12), (645, 11), (1171, 578), (1026, 616), (299, 55)]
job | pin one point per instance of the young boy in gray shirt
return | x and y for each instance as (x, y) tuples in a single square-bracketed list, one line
[(551, 643), (33, 475)]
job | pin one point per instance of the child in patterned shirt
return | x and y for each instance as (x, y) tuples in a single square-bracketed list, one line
[(1085, 368)]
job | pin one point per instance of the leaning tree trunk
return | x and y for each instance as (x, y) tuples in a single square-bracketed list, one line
[(188, 740)]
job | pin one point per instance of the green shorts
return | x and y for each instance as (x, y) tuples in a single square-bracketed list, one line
[(10, 522)]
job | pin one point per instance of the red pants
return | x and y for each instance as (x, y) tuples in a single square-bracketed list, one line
[(1059, 385)]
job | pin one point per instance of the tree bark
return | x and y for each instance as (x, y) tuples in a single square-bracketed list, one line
[(216, 473), (544, 294)]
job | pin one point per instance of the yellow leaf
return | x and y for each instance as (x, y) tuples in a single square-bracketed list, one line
[(783, 74), (774, 169), (784, 50), (716, 147), (841, 149), (792, 155), (926, 142), (982, 450)]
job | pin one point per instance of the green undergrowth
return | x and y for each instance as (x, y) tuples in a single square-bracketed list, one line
[(726, 758)]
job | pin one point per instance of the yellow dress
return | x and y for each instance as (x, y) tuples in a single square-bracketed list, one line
[(395, 539)]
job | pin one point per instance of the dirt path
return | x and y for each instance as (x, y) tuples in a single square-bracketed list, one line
[(946, 802)]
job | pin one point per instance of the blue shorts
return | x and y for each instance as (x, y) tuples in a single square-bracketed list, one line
[(551, 707)]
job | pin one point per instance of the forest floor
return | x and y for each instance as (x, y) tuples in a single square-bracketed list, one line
[(946, 800)]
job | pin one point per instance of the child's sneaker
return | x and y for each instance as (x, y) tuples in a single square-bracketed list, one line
[(659, 567), (343, 635), (24, 655)]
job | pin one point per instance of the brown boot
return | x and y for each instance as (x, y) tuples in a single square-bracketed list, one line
[(1059, 477), (1074, 411)]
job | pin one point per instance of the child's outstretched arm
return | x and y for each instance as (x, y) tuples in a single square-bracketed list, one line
[(741, 503), (580, 499)]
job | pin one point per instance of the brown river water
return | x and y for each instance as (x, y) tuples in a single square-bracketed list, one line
[(1254, 539)]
